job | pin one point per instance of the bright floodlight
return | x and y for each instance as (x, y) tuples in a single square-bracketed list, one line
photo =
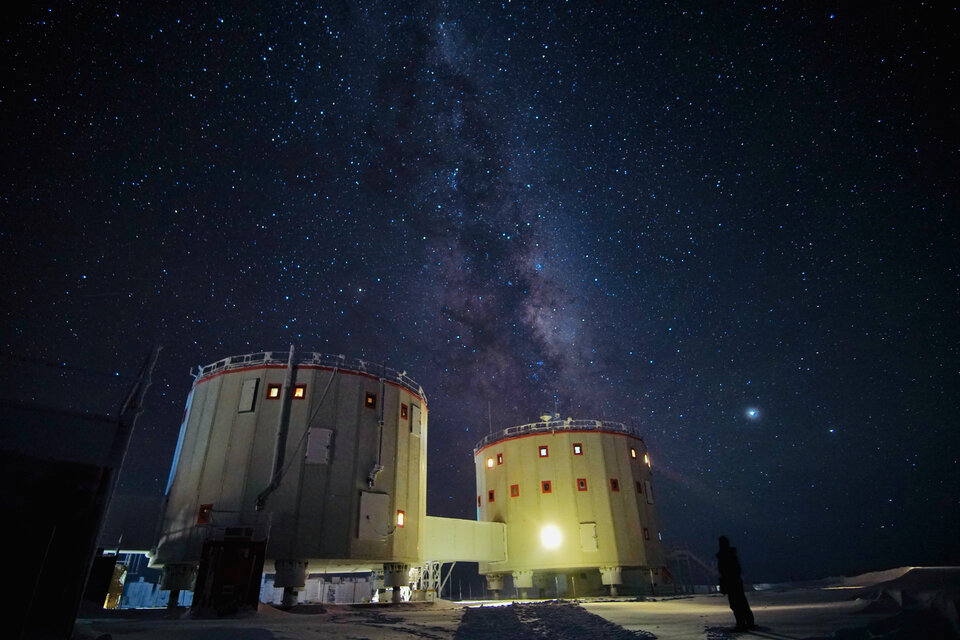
[(550, 537)]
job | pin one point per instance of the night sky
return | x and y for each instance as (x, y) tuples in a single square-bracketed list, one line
[(735, 229)]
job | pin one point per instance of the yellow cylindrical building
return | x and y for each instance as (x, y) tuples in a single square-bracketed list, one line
[(320, 457), (577, 500)]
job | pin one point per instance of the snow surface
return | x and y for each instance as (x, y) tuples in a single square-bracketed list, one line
[(907, 604)]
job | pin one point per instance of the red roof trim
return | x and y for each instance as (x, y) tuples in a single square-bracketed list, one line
[(558, 431), (311, 366)]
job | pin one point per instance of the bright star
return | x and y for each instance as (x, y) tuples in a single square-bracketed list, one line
[(752, 413)]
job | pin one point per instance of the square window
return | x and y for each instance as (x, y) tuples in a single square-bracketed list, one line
[(639, 487), (581, 484), (514, 491), (371, 401), (577, 449), (489, 463), (499, 458), (403, 411), (546, 486), (400, 518), (273, 391), (633, 452), (544, 451), (646, 533), (300, 391), (490, 495), (614, 484)]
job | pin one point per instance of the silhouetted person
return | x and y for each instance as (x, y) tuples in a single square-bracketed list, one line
[(732, 585)]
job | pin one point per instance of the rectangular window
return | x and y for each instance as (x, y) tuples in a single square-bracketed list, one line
[(581, 484), (248, 396), (544, 451), (639, 487), (300, 391), (371, 401), (577, 449), (648, 490), (203, 513), (614, 484), (489, 463), (403, 412), (633, 452), (479, 503), (400, 518), (273, 391), (646, 533), (490, 495), (546, 487), (514, 491), (499, 458)]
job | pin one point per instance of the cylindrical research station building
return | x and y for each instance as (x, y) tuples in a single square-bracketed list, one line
[(320, 458), (577, 499)]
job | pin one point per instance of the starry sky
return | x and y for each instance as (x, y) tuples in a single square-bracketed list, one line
[(734, 228)]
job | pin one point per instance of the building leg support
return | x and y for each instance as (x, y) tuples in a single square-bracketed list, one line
[(522, 582), (177, 578), (495, 584), (291, 575), (396, 575)]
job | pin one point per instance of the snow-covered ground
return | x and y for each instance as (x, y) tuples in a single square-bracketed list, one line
[(902, 605)]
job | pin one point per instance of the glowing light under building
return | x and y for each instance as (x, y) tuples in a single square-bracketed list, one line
[(550, 537)]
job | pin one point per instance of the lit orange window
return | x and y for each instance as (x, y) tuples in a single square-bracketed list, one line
[(490, 495), (633, 452), (403, 412), (614, 484), (371, 401), (400, 518), (544, 451), (273, 391), (577, 449), (646, 459), (581, 484), (489, 463), (514, 491), (546, 486), (203, 513), (499, 458), (300, 391)]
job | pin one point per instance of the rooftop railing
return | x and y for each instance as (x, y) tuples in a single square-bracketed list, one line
[(555, 425), (264, 358)]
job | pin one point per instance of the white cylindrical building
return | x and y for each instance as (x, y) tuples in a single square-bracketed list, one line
[(577, 499), (322, 457)]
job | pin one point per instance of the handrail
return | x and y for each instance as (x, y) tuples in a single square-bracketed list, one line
[(261, 358), (568, 424)]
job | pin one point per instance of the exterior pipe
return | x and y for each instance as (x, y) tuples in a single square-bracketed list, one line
[(283, 425), (378, 467)]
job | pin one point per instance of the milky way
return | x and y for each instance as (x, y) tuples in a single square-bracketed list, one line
[(666, 217)]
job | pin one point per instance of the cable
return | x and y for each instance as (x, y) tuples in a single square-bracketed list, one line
[(306, 431)]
